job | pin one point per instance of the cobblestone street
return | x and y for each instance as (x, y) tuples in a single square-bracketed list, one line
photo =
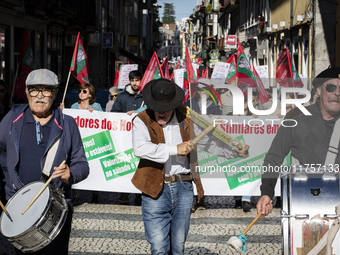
[(109, 228)]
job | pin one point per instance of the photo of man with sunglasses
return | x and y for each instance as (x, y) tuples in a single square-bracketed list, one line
[(309, 140)]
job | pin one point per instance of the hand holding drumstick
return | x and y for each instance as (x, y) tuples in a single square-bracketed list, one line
[(62, 172)]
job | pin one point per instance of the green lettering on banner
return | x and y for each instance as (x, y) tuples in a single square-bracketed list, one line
[(244, 172), (119, 164), (98, 145), (248, 171)]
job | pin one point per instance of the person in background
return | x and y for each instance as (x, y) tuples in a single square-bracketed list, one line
[(87, 101), (114, 91), (87, 98), (129, 101), (131, 98)]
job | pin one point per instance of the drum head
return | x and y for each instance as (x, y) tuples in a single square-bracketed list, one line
[(18, 203)]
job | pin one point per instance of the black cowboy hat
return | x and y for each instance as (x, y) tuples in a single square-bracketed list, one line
[(325, 75), (162, 95)]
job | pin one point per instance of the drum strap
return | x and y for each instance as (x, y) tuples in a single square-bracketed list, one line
[(333, 146), (50, 157)]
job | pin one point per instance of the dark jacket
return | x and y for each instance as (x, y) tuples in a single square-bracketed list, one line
[(148, 177), (127, 100), (308, 140), (70, 148)]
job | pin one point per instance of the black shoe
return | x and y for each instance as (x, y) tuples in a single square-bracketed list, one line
[(278, 202), (238, 204), (138, 199), (123, 200), (194, 204), (246, 206)]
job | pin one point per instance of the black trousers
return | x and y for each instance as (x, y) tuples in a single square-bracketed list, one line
[(59, 246)]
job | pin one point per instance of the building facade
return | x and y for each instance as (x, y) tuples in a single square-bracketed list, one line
[(113, 32)]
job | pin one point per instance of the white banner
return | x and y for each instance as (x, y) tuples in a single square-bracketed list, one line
[(108, 147)]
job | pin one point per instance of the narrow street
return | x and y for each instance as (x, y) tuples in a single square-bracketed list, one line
[(109, 228)]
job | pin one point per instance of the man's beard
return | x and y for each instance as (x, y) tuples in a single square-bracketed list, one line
[(135, 89)]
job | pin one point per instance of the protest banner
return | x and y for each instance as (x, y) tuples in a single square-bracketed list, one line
[(179, 77), (262, 71), (107, 142), (219, 75), (124, 75)]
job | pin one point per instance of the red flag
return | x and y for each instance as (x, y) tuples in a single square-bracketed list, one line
[(189, 70), (246, 78), (198, 75), (199, 60), (115, 83), (263, 95), (205, 74), (177, 65), (153, 71), (286, 74), (165, 68), (189, 76), (232, 69), (26, 61), (283, 69), (79, 65)]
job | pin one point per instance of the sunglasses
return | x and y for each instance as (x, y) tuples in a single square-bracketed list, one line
[(331, 87), (82, 90), (2, 90), (112, 96)]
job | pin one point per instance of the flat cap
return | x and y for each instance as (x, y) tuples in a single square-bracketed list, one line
[(42, 77), (325, 75)]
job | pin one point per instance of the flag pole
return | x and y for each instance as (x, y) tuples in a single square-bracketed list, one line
[(15, 78), (190, 94), (68, 78)]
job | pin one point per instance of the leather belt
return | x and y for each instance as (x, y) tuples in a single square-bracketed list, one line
[(175, 178)]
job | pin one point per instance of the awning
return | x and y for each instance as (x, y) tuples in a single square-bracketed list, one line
[(132, 57)]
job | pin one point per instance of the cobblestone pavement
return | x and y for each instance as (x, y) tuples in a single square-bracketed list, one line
[(107, 227)]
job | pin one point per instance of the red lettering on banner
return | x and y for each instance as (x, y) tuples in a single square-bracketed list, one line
[(114, 125), (128, 126), (122, 125), (87, 123)]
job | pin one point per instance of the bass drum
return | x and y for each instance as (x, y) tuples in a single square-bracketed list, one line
[(40, 224)]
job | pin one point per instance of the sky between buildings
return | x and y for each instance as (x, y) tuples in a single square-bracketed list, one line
[(183, 8)]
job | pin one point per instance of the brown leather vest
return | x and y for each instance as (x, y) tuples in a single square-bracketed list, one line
[(149, 175)]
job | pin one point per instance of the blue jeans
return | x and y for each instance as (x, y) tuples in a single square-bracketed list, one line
[(167, 218)]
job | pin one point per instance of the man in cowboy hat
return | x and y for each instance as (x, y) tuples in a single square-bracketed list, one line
[(309, 140), (161, 139)]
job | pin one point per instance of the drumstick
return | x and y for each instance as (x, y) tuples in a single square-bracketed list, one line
[(207, 130), (3, 208), (40, 191)]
